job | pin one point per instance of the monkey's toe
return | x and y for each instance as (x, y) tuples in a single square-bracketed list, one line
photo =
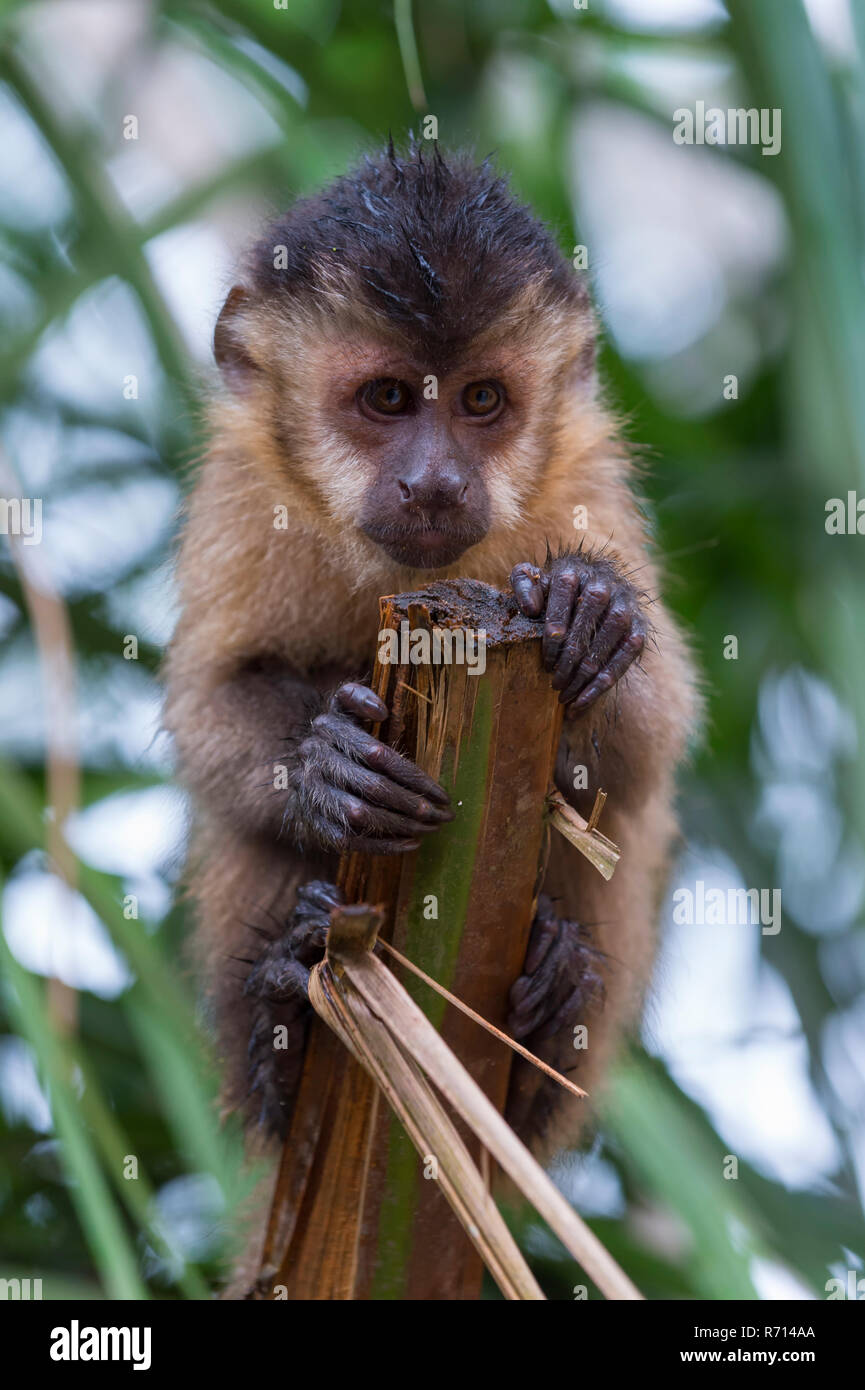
[(281, 970), (561, 979), (277, 988), (310, 919), (317, 898)]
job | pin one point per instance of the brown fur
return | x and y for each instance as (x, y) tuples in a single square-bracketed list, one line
[(264, 609)]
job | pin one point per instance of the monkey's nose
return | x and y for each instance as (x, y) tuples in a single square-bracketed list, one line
[(437, 492)]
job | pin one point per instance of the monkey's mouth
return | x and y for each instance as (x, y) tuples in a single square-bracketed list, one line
[(424, 549)]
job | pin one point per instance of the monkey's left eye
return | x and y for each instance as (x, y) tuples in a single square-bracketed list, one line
[(386, 396), (482, 398)]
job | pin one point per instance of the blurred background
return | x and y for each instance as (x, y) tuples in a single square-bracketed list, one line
[(143, 141)]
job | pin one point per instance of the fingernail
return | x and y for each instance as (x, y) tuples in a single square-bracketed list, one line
[(529, 596)]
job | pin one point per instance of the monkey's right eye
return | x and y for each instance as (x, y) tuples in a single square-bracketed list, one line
[(387, 396)]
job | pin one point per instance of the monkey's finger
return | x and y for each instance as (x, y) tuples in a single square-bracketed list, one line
[(554, 997), (379, 789), (591, 606), (361, 845), (278, 978), (365, 819), (530, 990), (565, 1016), (317, 898), (570, 677), (621, 659), (350, 817), (529, 1016), (380, 758), (531, 1004), (307, 942), (333, 833), (339, 769), (544, 932), (528, 589), (291, 984), (519, 1025), (521, 1018), (563, 592), (359, 700), (363, 747)]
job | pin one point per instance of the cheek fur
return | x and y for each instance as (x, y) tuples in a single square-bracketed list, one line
[(345, 484), (511, 480)]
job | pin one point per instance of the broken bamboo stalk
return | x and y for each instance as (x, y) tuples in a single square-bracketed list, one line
[(352, 1216), (377, 1021), (375, 1041)]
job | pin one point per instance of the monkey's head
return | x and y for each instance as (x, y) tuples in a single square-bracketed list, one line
[(404, 348)]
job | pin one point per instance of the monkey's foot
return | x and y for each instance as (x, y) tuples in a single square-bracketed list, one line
[(277, 987), (561, 980)]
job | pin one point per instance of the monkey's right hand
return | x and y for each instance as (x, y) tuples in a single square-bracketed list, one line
[(352, 792)]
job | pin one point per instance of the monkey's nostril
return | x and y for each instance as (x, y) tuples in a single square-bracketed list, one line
[(405, 490), (463, 490)]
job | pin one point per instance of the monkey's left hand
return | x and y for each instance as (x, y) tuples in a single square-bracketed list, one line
[(594, 625)]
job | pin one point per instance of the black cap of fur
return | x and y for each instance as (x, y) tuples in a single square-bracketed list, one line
[(439, 247)]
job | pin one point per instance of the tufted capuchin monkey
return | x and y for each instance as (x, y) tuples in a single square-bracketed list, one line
[(410, 393)]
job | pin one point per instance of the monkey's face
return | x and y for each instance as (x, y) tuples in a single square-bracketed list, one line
[(426, 459), (404, 358), (425, 445), (422, 459)]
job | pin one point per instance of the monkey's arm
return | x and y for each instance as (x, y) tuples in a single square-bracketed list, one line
[(230, 736), (274, 756), (286, 778)]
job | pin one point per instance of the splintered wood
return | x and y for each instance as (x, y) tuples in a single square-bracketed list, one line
[(359, 998), (352, 1215)]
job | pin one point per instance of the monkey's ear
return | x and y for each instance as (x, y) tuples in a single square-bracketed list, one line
[(232, 358)]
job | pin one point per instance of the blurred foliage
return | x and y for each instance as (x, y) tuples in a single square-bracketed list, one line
[(737, 493)]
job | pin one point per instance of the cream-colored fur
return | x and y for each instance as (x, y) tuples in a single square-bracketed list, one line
[(307, 594)]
